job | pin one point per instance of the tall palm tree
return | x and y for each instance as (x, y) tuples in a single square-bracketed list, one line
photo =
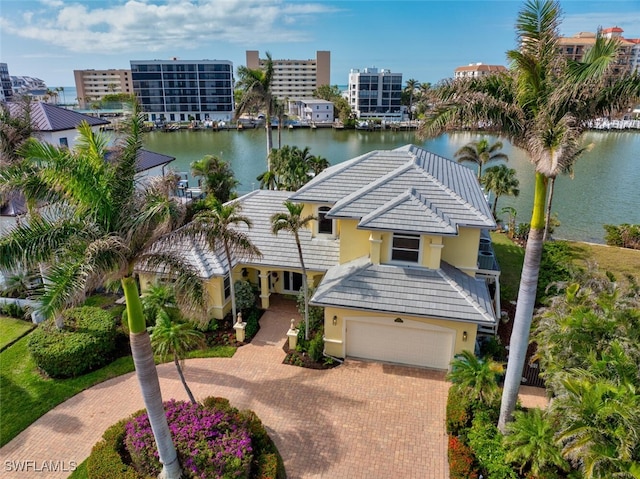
[(170, 336), (317, 164), (100, 227), (481, 152), (412, 86), (219, 223), (500, 180), (542, 104), (293, 222), (255, 85)]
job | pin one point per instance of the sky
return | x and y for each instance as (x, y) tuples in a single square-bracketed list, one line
[(424, 40)]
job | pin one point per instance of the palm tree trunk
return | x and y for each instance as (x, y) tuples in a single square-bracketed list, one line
[(305, 289), (232, 288), (495, 206), (184, 381), (269, 140), (147, 375), (547, 216), (519, 341)]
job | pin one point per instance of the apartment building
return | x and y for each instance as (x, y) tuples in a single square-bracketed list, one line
[(94, 85), (376, 93), (628, 50), (477, 70), (180, 90), (295, 79), (6, 91)]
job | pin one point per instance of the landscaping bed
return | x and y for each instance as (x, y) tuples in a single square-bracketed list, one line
[(302, 359)]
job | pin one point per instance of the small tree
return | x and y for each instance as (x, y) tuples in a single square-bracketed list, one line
[(480, 376)]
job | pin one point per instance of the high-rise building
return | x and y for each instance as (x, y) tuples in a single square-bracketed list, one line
[(628, 50), (376, 93), (295, 79), (478, 70), (6, 92), (180, 90), (94, 85)]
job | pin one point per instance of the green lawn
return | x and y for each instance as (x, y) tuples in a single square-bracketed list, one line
[(11, 329), (619, 261), (25, 394)]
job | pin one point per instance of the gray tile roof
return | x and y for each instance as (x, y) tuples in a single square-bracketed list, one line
[(445, 293), (47, 117), (279, 252), (407, 189)]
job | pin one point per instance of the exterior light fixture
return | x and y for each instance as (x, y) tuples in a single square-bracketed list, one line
[(464, 335), (398, 320), (335, 320)]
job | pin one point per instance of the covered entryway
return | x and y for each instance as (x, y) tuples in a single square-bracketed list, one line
[(406, 342)]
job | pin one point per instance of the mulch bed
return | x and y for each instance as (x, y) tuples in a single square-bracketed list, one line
[(303, 360)]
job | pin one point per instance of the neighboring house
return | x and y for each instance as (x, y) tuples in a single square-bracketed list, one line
[(312, 110), (399, 254), (478, 70)]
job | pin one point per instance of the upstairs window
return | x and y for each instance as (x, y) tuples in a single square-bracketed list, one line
[(405, 248), (325, 225)]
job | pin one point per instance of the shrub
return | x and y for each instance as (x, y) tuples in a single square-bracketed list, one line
[(555, 267), (459, 411), (210, 443), (316, 313), (253, 323), (461, 461), (106, 458), (485, 440), (245, 296), (624, 235), (316, 345), (13, 310), (87, 342)]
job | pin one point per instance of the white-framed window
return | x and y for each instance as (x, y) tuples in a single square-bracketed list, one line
[(325, 225), (405, 248)]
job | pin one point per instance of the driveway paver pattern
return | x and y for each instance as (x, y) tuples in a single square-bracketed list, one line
[(360, 420)]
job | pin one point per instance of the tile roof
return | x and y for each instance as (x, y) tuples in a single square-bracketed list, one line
[(445, 293), (47, 117), (407, 189), (279, 252)]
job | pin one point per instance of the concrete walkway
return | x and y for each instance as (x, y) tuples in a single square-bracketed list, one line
[(359, 420)]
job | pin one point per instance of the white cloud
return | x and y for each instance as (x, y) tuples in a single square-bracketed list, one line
[(104, 27)]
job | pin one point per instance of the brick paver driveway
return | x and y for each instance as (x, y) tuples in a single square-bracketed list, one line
[(359, 420)]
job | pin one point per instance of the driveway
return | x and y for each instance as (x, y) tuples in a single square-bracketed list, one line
[(359, 420)]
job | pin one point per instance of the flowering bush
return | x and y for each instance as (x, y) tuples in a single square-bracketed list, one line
[(461, 460), (211, 443)]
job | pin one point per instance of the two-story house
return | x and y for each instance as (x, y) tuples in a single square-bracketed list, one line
[(397, 254)]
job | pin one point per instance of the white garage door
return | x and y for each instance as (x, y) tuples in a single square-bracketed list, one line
[(409, 342)]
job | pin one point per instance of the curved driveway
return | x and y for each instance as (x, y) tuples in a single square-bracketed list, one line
[(359, 420)]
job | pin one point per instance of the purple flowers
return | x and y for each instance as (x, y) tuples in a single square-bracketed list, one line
[(211, 443)]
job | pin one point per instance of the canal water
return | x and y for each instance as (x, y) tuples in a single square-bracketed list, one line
[(605, 188)]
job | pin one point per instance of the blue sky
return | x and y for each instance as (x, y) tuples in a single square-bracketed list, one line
[(422, 39)]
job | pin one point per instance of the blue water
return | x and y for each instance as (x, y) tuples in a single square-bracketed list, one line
[(604, 189)]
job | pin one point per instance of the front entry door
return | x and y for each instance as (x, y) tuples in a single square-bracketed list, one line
[(292, 282)]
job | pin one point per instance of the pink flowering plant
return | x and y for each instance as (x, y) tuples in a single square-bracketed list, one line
[(212, 443)]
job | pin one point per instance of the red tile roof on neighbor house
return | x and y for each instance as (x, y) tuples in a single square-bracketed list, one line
[(47, 117)]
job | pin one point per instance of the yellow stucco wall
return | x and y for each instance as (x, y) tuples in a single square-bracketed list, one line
[(462, 251), (354, 243), (334, 335)]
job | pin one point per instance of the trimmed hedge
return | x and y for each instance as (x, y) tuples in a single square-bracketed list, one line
[(109, 458), (87, 342)]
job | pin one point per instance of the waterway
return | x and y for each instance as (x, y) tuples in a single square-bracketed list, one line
[(605, 188)]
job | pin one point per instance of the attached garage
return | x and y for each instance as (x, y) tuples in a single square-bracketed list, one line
[(407, 342)]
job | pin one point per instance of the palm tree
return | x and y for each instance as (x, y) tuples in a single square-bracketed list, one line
[(479, 376), (412, 85), (15, 130), (219, 179), (101, 227), (542, 105), (293, 222), (255, 85), (219, 223), (530, 442), (170, 337), (268, 180), (501, 181), (481, 152), (317, 164)]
